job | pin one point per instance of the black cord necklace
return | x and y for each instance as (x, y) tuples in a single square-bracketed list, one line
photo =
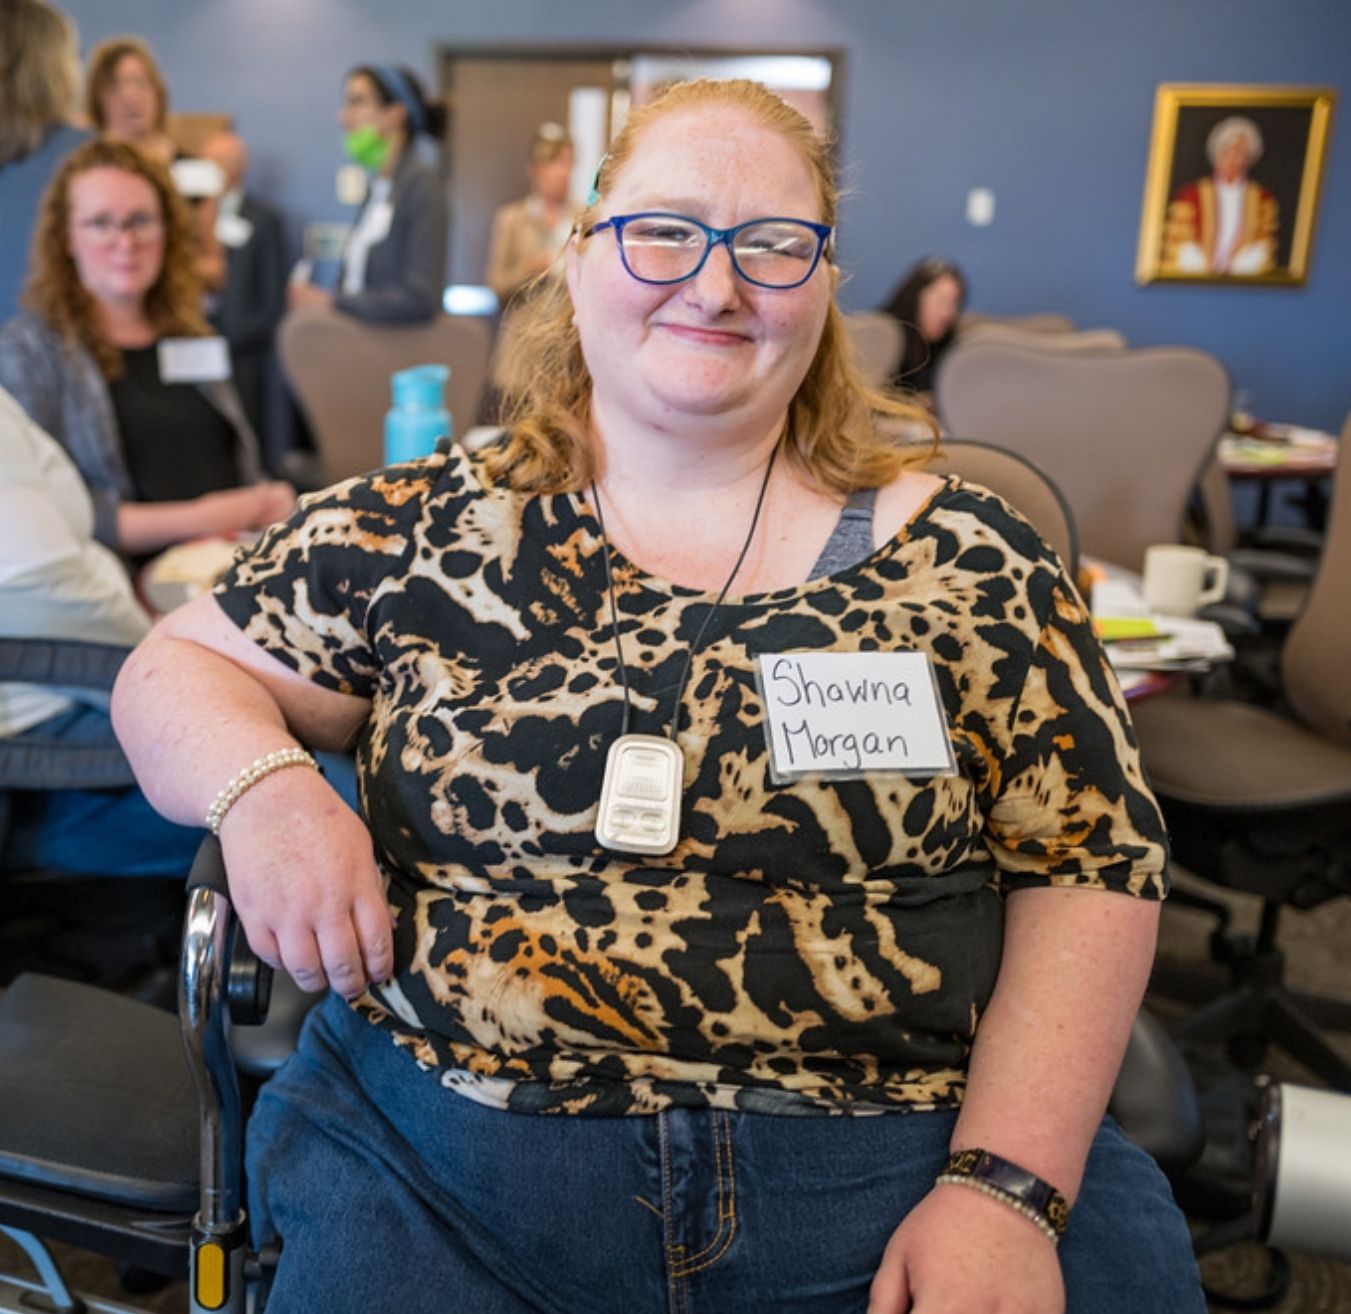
[(640, 795)]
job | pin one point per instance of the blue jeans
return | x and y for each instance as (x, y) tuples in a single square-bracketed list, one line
[(111, 831), (391, 1193), (100, 832)]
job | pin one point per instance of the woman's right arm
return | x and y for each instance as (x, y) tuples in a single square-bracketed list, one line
[(148, 526), (196, 703)]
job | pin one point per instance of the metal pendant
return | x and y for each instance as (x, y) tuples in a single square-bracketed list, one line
[(641, 794)]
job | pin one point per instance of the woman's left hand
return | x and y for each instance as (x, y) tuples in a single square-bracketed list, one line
[(961, 1252), (306, 294)]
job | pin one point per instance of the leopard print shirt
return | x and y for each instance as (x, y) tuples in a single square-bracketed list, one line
[(821, 945)]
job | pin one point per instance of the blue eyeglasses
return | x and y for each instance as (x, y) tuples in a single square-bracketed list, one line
[(669, 248)]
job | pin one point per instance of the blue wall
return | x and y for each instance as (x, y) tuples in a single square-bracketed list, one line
[(1047, 102)]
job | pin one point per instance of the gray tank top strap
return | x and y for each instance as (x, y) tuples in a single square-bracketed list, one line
[(851, 541)]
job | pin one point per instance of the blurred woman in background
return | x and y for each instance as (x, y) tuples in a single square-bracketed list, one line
[(103, 359), (128, 99), (39, 80), (393, 269), (528, 233), (928, 303), (127, 96)]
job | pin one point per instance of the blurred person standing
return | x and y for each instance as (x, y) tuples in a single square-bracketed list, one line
[(127, 99), (927, 302), (528, 233), (393, 269), (113, 358), (251, 302), (39, 83), (126, 96)]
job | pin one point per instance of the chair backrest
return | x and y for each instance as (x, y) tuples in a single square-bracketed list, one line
[(1125, 434), (1217, 507), (1313, 660), (1045, 321), (1099, 339), (877, 340), (1021, 484), (340, 369)]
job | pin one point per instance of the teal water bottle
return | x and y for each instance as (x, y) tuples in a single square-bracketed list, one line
[(419, 416)]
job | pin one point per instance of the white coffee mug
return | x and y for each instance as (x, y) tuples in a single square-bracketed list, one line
[(1176, 578)]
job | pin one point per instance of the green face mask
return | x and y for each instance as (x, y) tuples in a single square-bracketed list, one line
[(367, 148)]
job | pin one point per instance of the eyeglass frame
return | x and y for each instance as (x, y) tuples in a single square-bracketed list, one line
[(141, 226), (713, 237)]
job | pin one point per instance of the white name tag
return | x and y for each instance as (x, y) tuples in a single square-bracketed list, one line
[(375, 223), (849, 714), (233, 230), (193, 360)]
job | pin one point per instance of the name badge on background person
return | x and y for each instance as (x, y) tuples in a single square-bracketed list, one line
[(376, 224), (233, 230), (193, 360), (844, 715)]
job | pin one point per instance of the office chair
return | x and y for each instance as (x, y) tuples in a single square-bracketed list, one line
[(1125, 433), (877, 340), (121, 1128), (1020, 483), (340, 369), (1075, 341), (1154, 1099), (119, 933), (1042, 321), (1260, 802)]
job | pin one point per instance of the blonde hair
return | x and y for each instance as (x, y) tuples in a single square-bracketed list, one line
[(831, 431), (39, 74), (174, 302), (103, 62), (549, 142)]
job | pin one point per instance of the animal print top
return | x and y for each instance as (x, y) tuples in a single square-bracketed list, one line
[(819, 945)]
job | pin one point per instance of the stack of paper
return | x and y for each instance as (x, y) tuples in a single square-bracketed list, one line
[(1138, 639), (1181, 645)]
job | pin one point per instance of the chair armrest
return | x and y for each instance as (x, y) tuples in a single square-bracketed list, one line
[(1267, 567), (1155, 1099), (1296, 539)]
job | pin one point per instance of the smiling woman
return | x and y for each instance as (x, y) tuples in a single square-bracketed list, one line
[(607, 964), (113, 358), (127, 98)]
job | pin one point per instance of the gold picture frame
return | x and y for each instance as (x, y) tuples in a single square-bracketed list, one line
[(1232, 185)]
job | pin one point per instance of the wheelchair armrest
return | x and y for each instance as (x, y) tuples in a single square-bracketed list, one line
[(248, 980), (203, 1009)]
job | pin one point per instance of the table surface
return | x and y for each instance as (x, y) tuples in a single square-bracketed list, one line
[(1118, 590), (1279, 451)]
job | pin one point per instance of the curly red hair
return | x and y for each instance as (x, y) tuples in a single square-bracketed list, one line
[(173, 303)]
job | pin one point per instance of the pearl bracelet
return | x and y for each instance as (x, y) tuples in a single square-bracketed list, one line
[(1032, 1215), (250, 776)]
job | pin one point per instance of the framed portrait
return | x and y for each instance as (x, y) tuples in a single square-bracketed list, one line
[(1231, 190)]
